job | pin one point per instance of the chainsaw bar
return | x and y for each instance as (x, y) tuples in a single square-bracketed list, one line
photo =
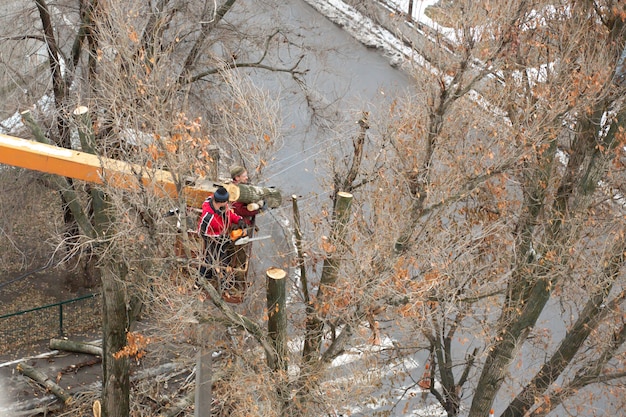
[(244, 240)]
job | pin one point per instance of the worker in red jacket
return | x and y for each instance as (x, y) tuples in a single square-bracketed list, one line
[(248, 211), (216, 222)]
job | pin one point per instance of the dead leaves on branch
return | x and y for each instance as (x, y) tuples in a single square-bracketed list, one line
[(135, 346), (187, 142)]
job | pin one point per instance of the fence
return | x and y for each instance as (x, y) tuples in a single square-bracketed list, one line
[(78, 316)]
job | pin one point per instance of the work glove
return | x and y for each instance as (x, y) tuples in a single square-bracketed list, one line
[(252, 207)]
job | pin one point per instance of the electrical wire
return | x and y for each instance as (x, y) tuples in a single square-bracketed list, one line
[(21, 277), (336, 141)]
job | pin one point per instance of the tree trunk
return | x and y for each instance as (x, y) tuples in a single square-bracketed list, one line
[(115, 367), (277, 331), (314, 325), (60, 96), (277, 314)]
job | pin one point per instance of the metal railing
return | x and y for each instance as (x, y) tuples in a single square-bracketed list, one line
[(78, 316)]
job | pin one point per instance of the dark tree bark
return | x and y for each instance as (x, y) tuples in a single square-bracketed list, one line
[(115, 325)]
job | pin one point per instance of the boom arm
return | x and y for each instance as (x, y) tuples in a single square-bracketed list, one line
[(98, 170)]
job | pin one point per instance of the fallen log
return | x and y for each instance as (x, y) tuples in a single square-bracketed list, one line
[(74, 346), (42, 379), (35, 406)]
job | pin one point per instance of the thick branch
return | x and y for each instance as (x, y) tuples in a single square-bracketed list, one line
[(236, 65), (587, 322), (43, 380), (299, 254), (203, 35), (589, 374), (242, 322), (54, 61), (347, 184)]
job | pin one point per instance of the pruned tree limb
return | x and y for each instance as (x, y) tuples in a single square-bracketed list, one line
[(43, 380), (75, 346)]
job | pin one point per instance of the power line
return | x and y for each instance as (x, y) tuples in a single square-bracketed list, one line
[(336, 141), (21, 277)]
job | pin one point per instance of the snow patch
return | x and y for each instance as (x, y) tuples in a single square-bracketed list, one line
[(362, 28), (5, 409), (14, 122)]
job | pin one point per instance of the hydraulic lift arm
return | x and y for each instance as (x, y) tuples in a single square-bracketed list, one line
[(98, 170)]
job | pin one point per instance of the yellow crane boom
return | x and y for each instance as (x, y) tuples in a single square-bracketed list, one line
[(95, 169)]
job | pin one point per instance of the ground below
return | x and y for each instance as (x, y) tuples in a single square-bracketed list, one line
[(30, 278), (31, 274)]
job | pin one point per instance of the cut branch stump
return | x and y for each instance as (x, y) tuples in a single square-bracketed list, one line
[(276, 311)]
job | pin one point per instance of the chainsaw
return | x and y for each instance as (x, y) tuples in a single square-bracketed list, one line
[(246, 239)]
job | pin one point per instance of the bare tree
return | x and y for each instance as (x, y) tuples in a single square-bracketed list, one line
[(141, 70), (489, 228), (504, 174), (478, 207)]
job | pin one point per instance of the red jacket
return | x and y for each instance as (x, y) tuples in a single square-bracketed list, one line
[(242, 210), (215, 224)]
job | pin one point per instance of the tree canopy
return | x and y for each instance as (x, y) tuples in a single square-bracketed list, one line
[(475, 227)]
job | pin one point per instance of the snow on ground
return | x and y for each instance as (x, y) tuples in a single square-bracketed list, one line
[(362, 28), (419, 11), (372, 35), (14, 122)]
